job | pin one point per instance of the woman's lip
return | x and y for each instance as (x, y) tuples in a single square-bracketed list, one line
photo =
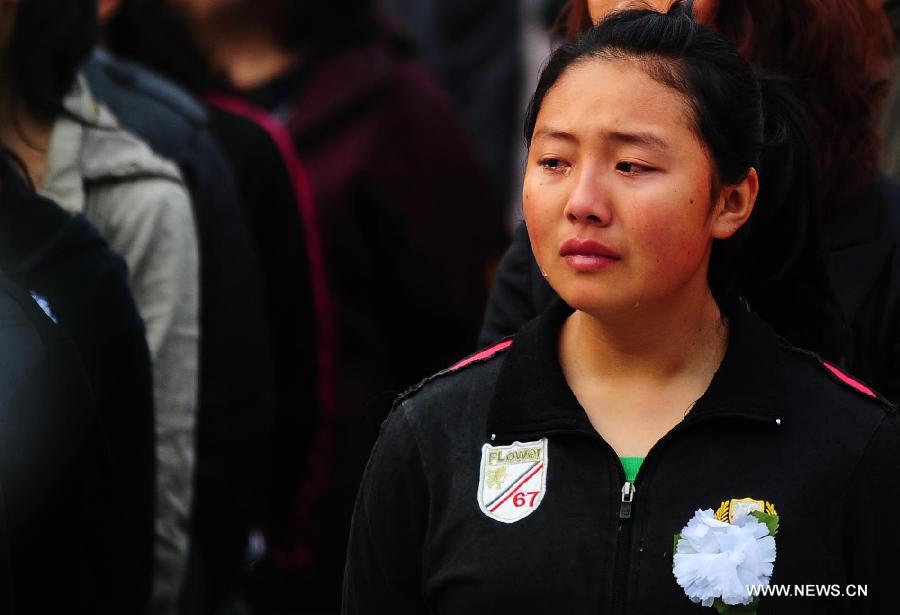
[(587, 248), (588, 256), (589, 263)]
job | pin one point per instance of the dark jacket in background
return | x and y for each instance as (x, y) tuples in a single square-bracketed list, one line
[(862, 252), (236, 390), (67, 265), (55, 508), (862, 256), (281, 218), (519, 292), (409, 232), (475, 49)]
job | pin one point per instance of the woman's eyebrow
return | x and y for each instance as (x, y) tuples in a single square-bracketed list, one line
[(554, 133), (644, 138)]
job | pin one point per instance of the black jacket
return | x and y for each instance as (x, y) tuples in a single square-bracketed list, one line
[(862, 256), (776, 424), (237, 392), (862, 253), (275, 223), (519, 292), (54, 507), (65, 262)]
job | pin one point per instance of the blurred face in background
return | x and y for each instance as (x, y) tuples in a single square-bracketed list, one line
[(705, 10), (276, 16), (204, 10), (107, 8)]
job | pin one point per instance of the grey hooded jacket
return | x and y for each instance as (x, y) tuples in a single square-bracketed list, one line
[(141, 207)]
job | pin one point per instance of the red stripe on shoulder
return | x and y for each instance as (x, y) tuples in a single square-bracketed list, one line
[(481, 355), (851, 382)]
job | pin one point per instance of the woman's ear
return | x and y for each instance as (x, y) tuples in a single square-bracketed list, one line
[(736, 202)]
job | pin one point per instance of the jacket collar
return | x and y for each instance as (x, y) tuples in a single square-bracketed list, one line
[(34, 231), (532, 397), (62, 178), (87, 145), (859, 240)]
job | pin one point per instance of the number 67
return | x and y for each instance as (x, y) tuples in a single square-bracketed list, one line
[(519, 498)]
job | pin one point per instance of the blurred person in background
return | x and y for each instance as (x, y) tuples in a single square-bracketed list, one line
[(474, 48), (83, 288), (248, 468), (258, 357), (837, 56), (54, 511), (890, 121), (397, 190), (77, 155)]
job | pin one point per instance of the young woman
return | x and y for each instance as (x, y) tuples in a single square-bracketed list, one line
[(837, 55), (650, 443)]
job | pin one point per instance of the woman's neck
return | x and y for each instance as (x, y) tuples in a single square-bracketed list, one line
[(652, 342), (28, 138), (247, 52), (637, 376)]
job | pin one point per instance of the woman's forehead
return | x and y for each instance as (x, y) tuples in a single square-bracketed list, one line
[(610, 93)]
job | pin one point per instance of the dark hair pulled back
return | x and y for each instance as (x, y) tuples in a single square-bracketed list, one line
[(50, 42), (745, 120)]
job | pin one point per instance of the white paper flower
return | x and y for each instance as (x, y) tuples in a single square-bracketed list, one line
[(715, 559)]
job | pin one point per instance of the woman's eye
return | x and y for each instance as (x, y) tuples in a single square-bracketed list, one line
[(631, 168), (555, 165)]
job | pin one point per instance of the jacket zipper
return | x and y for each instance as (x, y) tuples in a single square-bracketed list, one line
[(628, 491), (622, 561), (624, 534)]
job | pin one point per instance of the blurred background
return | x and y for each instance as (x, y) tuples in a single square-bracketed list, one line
[(231, 233)]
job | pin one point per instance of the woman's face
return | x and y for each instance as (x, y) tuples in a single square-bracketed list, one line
[(618, 194), (705, 10)]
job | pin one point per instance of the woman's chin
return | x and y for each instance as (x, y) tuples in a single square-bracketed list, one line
[(598, 302)]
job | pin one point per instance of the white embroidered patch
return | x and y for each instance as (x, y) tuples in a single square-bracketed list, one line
[(513, 479)]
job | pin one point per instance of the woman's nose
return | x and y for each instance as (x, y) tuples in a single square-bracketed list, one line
[(589, 201)]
